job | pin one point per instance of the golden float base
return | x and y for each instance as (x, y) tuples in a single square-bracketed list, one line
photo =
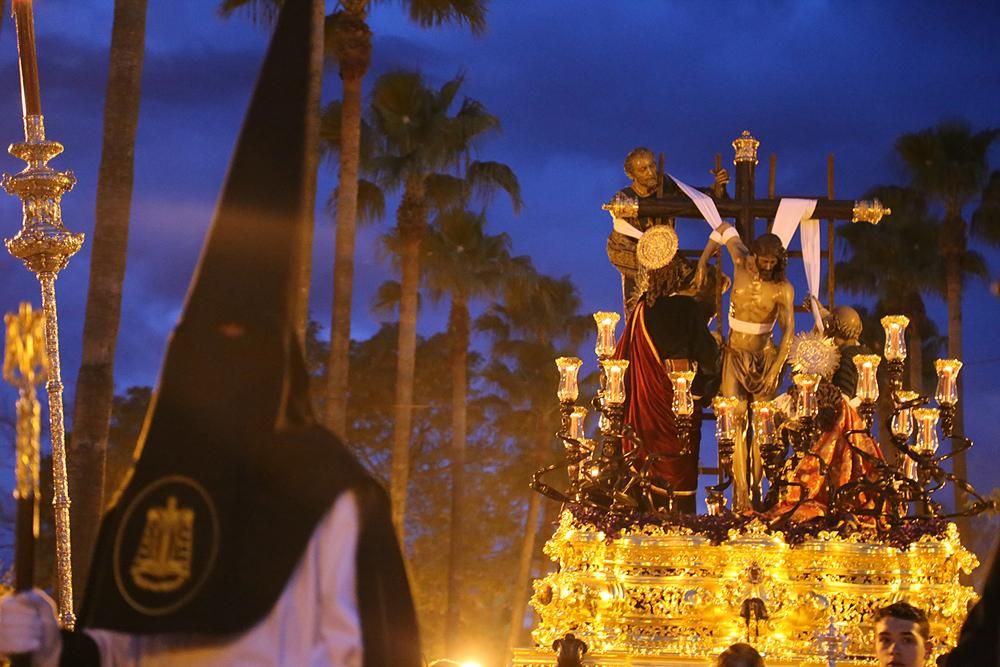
[(651, 596)]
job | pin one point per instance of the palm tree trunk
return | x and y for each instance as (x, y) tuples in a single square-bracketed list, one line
[(95, 382), (915, 352), (412, 222), (458, 329), (522, 579), (954, 250), (352, 47)]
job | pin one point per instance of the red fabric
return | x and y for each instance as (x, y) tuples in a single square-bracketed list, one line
[(648, 398), (845, 466)]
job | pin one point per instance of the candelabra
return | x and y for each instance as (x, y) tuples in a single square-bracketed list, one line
[(946, 393), (867, 387), (682, 405), (725, 435), (45, 246), (895, 348)]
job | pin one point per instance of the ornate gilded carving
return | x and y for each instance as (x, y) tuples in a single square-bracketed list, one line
[(746, 148), (656, 247), (869, 211), (622, 206), (667, 595)]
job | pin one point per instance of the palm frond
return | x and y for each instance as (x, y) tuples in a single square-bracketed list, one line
[(485, 177), (433, 13), (985, 224)]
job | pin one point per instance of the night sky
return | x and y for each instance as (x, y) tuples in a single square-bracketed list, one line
[(576, 86)]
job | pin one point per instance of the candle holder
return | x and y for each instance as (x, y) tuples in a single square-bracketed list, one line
[(682, 406), (946, 393), (45, 246), (901, 424), (895, 348), (867, 387), (725, 435), (927, 440), (569, 389), (606, 324), (771, 449), (614, 373)]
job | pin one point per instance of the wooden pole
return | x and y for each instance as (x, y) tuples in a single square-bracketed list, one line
[(831, 238), (773, 168)]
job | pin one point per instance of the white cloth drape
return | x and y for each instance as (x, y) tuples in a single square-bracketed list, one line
[(704, 203), (792, 214)]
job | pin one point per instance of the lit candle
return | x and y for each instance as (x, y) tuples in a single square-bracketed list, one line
[(902, 420), (24, 24), (568, 367), (806, 405), (867, 364), (576, 419), (947, 386), (895, 340), (683, 404), (614, 370), (606, 323), (725, 428), (763, 422), (927, 440)]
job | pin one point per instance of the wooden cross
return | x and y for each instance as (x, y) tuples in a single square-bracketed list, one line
[(745, 208)]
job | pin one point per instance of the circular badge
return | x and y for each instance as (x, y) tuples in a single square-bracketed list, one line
[(166, 545), (656, 247)]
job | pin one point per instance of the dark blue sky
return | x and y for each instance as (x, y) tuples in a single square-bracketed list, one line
[(576, 86)]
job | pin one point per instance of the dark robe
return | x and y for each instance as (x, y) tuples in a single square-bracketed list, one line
[(673, 328)]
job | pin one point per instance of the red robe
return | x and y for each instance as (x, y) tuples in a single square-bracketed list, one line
[(649, 395)]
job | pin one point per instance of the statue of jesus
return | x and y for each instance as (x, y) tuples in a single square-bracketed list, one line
[(751, 364)]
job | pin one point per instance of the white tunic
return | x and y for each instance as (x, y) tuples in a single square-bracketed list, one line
[(315, 622)]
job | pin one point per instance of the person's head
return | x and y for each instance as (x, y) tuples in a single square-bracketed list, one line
[(902, 635), (740, 655), (769, 256), (844, 324), (640, 166)]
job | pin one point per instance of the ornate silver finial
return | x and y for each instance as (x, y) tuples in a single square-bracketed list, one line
[(746, 148), (869, 211)]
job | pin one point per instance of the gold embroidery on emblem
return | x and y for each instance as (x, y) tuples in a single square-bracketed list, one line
[(163, 561)]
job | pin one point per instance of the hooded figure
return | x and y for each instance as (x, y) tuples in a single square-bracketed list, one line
[(245, 532)]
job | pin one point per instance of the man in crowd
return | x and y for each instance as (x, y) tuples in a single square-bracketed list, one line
[(902, 636), (751, 364)]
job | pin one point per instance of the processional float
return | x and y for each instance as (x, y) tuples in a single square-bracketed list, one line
[(45, 246), (640, 584)]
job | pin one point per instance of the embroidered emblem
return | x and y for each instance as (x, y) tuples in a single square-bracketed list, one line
[(163, 562)]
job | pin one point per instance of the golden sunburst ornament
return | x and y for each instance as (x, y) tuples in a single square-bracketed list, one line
[(812, 352), (657, 247)]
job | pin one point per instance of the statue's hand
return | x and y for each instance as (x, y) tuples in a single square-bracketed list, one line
[(721, 179), (699, 277)]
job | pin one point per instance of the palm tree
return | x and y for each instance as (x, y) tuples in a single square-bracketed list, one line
[(95, 383), (534, 325), (350, 39), (417, 140), (897, 263), (461, 260), (948, 165)]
